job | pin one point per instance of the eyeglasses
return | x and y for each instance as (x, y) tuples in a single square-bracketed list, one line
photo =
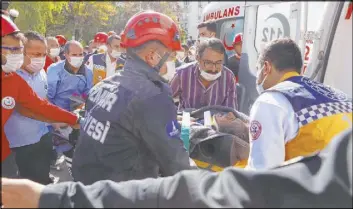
[(209, 64), (13, 50)]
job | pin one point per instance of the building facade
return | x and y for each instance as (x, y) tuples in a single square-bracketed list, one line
[(191, 16)]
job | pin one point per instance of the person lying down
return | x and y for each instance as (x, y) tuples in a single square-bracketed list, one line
[(224, 143)]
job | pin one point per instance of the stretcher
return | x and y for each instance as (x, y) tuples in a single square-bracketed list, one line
[(216, 148)]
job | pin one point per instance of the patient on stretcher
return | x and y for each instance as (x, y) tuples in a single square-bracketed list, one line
[(223, 143)]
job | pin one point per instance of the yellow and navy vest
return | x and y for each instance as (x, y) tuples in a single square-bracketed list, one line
[(321, 113), (100, 66)]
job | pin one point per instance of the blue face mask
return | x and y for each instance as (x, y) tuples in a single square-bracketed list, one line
[(260, 86)]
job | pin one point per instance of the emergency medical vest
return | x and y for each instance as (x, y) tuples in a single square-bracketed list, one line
[(321, 113), (100, 67)]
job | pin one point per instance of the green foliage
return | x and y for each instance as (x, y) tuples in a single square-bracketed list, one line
[(83, 19)]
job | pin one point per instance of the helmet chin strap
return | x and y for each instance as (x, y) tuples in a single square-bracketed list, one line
[(161, 62), (131, 53)]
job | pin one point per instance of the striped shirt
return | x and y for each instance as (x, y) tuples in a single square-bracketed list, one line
[(188, 88)]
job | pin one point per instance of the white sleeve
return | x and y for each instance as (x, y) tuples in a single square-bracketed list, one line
[(272, 124), (89, 63)]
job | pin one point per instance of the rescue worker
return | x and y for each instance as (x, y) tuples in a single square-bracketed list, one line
[(99, 43), (294, 115), (323, 180), (168, 70), (62, 41), (131, 130), (234, 60), (16, 93), (101, 39), (106, 64), (52, 53)]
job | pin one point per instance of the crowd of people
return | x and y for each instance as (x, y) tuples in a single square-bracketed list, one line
[(130, 87)]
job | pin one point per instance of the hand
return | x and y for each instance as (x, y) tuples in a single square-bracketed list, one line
[(20, 193)]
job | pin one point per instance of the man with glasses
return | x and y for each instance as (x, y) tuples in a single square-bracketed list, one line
[(28, 138), (106, 64), (205, 82)]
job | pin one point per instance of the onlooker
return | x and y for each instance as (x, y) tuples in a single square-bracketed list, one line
[(62, 41), (91, 47), (190, 41), (69, 77), (205, 82), (53, 51), (234, 60), (29, 138), (185, 58), (207, 30)]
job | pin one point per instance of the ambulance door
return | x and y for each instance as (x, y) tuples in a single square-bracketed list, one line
[(337, 72), (227, 29), (263, 23)]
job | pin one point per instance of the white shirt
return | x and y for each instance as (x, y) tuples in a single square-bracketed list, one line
[(110, 66), (272, 125)]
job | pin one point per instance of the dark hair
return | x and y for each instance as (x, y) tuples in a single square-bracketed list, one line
[(283, 53), (210, 25), (213, 43), (112, 37), (34, 36), (186, 47)]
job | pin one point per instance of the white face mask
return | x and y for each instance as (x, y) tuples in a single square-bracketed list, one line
[(115, 53), (13, 63), (260, 87), (36, 64), (102, 49), (76, 61), (54, 52), (209, 76), (203, 39), (170, 71)]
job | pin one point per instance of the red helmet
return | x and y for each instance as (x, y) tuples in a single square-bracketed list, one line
[(61, 39), (148, 26), (101, 37), (7, 26), (238, 38)]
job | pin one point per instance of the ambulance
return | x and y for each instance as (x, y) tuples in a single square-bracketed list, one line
[(323, 30)]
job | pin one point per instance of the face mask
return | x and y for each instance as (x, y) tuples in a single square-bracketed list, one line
[(115, 54), (209, 76), (76, 61), (170, 70), (54, 52), (102, 48), (36, 65), (13, 63), (203, 39), (260, 87)]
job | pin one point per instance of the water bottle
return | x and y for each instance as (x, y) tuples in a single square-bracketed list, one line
[(185, 130)]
